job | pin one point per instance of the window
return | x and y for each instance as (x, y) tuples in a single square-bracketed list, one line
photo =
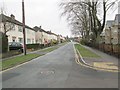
[(14, 44), (19, 28), (13, 26), (10, 26), (28, 31), (29, 41), (13, 39), (20, 40), (32, 40)]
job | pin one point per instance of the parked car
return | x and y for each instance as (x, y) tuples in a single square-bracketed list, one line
[(16, 46)]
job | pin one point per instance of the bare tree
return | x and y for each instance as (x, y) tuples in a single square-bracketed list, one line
[(85, 13), (8, 25), (77, 16)]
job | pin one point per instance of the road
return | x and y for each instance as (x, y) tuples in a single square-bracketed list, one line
[(58, 69)]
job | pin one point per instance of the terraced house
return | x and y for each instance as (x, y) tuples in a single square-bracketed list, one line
[(13, 29)]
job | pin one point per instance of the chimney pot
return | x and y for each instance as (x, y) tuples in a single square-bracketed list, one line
[(40, 27), (12, 16)]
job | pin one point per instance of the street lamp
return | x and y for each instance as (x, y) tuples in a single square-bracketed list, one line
[(23, 18)]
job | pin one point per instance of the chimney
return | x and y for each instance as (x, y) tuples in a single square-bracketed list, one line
[(40, 27), (12, 16)]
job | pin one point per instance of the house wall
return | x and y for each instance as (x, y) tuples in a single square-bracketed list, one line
[(38, 37), (42, 37), (1, 27), (16, 34), (53, 37), (45, 38), (107, 36), (49, 38), (30, 36), (115, 35)]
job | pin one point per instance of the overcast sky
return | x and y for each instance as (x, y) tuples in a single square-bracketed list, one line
[(45, 13)]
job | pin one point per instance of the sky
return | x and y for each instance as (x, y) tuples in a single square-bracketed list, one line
[(45, 13)]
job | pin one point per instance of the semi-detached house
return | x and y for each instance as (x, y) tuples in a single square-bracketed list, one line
[(44, 37), (41, 35), (33, 35), (52, 36), (16, 32)]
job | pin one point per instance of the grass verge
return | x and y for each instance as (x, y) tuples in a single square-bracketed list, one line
[(8, 63), (85, 52)]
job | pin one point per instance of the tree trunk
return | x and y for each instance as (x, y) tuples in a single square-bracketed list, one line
[(104, 15)]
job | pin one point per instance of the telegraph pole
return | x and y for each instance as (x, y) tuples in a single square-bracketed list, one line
[(23, 18), (118, 40)]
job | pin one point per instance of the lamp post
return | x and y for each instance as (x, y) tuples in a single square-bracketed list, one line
[(23, 18)]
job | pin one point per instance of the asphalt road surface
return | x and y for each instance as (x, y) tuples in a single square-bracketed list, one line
[(58, 69)]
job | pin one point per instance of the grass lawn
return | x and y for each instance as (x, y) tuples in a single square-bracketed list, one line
[(85, 52), (17, 60)]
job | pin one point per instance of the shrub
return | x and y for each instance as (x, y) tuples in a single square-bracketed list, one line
[(3, 43), (82, 42), (53, 42)]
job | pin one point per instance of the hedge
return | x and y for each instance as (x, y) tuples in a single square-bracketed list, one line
[(34, 46), (3, 43)]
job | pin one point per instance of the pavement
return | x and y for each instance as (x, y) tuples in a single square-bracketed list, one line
[(35, 52), (105, 61), (58, 69)]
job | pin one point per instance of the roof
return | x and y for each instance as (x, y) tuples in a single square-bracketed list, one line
[(54, 34), (36, 28), (5, 18)]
